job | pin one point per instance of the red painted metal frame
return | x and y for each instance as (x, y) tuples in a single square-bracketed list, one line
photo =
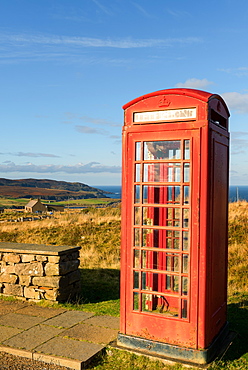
[(209, 193)]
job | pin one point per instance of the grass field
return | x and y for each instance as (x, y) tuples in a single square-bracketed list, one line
[(21, 202), (97, 231)]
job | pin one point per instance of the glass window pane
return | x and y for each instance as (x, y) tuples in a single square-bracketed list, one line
[(162, 172), (136, 280), (184, 309), (184, 285), (137, 212), (162, 150), (156, 237), (147, 238), (136, 301), (185, 240), (137, 193), (148, 215), (174, 173), (186, 195), (172, 239), (176, 243), (150, 238), (150, 260), (137, 172), (174, 194), (161, 194), (146, 196), (137, 151), (136, 261), (166, 306), (169, 243), (175, 283), (137, 237), (144, 259), (186, 172), (172, 262), (150, 281), (172, 216), (144, 282), (186, 217), (168, 282), (185, 263), (186, 149), (168, 262), (161, 216), (172, 283)]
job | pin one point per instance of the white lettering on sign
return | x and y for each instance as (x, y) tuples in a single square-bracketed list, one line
[(165, 115)]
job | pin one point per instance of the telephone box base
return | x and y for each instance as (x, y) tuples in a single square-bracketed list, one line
[(176, 353)]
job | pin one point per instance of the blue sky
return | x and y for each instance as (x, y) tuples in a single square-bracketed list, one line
[(68, 67)]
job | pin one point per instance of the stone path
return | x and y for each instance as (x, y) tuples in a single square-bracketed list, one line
[(54, 335)]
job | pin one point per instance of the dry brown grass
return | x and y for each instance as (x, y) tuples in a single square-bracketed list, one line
[(97, 231), (238, 247)]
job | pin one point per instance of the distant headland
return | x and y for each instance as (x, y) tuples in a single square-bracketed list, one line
[(48, 189)]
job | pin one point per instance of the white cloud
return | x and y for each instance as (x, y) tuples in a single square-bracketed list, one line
[(239, 71), (92, 167), (99, 121), (33, 155), (126, 43), (90, 130), (23, 48), (236, 101), (102, 8), (142, 10), (239, 142), (195, 83), (179, 13)]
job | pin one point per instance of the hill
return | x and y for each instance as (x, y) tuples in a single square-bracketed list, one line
[(48, 189)]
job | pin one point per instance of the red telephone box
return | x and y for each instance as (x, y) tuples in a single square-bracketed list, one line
[(174, 224)]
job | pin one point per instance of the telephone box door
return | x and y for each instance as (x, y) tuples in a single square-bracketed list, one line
[(161, 271)]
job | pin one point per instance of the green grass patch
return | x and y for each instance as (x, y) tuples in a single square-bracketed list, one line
[(21, 202), (120, 360), (10, 202), (99, 294), (100, 291), (82, 202)]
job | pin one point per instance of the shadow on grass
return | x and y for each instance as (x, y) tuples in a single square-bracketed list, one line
[(238, 321), (100, 285)]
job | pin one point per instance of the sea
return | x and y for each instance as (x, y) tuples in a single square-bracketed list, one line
[(236, 192)]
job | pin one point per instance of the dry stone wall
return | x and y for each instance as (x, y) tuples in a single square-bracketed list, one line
[(35, 272)]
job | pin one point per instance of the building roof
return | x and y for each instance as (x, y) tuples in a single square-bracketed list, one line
[(32, 202)]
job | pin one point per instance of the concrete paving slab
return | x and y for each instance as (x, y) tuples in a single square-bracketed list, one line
[(16, 320), (40, 311), (53, 335), (33, 337), (70, 348), (52, 360), (16, 352), (106, 321), (10, 306), (68, 319), (6, 332), (91, 333)]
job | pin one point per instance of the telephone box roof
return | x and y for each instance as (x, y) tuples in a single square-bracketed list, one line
[(198, 94)]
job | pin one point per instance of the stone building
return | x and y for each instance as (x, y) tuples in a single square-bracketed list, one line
[(35, 206)]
